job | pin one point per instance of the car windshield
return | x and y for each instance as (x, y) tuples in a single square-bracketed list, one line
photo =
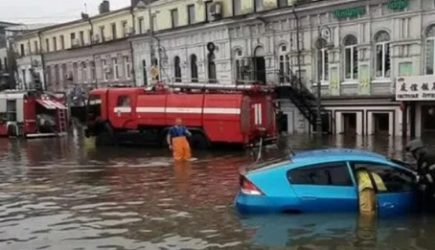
[(402, 164)]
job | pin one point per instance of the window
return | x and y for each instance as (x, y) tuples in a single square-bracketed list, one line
[(382, 63), (35, 44), (54, 44), (190, 14), (56, 74), (1, 65), (237, 7), (430, 50), (123, 101), (194, 68), (75, 72), (84, 70), (6, 63), (82, 38), (127, 67), (211, 68), (322, 64), (124, 29), (258, 5), (351, 57), (395, 180), (47, 45), (47, 73), (62, 42), (140, 22), (113, 31), (104, 69), (144, 71), (239, 65), (23, 73), (11, 110), (103, 38), (73, 38), (91, 34), (93, 72), (284, 65), (22, 52), (64, 76), (208, 16), (174, 18), (177, 69), (115, 68), (332, 174), (282, 3)]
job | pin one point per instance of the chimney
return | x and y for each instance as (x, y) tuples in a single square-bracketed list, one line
[(104, 7)]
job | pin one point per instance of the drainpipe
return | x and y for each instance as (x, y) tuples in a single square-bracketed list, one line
[(132, 68), (93, 54), (44, 85), (298, 46)]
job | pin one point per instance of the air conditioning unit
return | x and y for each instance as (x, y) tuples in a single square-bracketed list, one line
[(75, 43), (216, 10)]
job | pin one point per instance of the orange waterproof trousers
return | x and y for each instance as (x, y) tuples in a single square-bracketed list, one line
[(181, 148)]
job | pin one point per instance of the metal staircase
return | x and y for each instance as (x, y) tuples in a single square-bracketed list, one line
[(300, 96)]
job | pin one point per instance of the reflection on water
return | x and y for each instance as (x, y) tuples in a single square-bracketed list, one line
[(66, 194)]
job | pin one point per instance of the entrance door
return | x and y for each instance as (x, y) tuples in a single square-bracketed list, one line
[(428, 119), (260, 69), (381, 123), (349, 122)]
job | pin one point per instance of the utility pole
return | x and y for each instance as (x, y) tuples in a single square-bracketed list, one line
[(320, 45)]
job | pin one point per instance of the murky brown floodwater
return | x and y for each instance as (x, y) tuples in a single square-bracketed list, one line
[(65, 194)]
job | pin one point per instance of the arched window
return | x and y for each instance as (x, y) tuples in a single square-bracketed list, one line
[(284, 65), (382, 64), (177, 69), (211, 68), (238, 63), (322, 61), (194, 68), (350, 58), (430, 50)]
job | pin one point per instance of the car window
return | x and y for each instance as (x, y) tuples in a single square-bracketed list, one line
[(123, 101), (332, 174), (395, 180)]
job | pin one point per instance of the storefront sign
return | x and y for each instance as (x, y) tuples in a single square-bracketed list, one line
[(415, 88), (350, 12), (398, 4)]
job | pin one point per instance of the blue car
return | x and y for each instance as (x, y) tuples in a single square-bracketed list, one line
[(325, 181)]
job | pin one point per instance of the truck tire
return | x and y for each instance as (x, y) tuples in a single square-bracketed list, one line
[(106, 137), (199, 141)]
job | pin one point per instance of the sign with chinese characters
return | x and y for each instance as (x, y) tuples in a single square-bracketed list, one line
[(415, 88)]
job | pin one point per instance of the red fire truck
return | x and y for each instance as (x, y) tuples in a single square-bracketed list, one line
[(32, 114), (213, 113)]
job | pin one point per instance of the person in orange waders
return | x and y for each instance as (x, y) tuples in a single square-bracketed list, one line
[(177, 141)]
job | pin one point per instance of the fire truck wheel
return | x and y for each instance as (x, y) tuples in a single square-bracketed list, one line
[(199, 141)]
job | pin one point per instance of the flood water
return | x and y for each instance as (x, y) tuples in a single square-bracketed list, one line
[(67, 194)]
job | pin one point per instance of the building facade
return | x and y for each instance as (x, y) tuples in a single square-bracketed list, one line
[(353, 52)]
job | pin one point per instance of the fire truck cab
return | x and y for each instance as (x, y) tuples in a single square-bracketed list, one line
[(238, 116), (32, 114)]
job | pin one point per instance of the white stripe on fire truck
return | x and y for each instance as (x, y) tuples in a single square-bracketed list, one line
[(122, 110), (150, 109), (178, 110)]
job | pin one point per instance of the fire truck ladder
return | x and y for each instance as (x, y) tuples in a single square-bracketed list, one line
[(223, 87), (62, 120)]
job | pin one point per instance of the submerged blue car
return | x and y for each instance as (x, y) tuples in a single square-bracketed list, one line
[(325, 181)]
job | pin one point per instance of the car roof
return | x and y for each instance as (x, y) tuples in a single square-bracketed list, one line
[(319, 156), (332, 154)]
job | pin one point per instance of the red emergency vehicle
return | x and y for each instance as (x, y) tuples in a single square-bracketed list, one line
[(32, 114), (236, 114)]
